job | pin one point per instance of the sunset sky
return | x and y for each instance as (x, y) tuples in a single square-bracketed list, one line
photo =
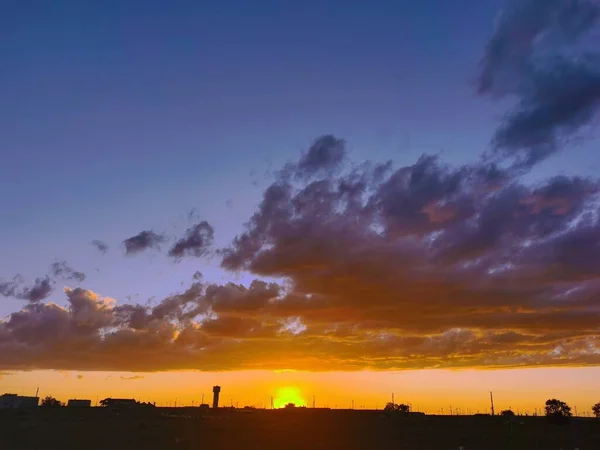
[(296, 198)]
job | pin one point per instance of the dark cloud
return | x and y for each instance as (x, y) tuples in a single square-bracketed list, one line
[(326, 154), (535, 55), (10, 288), (238, 298), (196, 242), (143, 241), (60, 269), (101, 246), (40, 290)]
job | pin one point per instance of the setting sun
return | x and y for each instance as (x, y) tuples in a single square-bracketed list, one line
[(287, 395)]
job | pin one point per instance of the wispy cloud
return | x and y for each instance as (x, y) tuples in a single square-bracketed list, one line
[(133, 377), (60, 269), (101, 246), (143, 241), (196, 242)]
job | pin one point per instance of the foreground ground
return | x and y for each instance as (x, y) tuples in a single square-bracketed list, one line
[(185, 428)]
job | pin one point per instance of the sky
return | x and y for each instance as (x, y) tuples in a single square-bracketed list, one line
[(338, 199)]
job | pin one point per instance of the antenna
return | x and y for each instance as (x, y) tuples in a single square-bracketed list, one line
[(392, 398), (272, 402), (37, 391), (313, 400), (492, 401)]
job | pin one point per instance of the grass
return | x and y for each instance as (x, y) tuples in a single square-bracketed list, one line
[(187, 428)]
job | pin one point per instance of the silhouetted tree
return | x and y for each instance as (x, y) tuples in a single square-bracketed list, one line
[(401, 408), (50, 402), (389, 407), (290, 405), (596, 409), (507, 413), (104, 402), (557, 411)]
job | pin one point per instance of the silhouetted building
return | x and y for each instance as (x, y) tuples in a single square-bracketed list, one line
[(216, 392), (18, 401), (204, 406), (76, 403), (119, 402)]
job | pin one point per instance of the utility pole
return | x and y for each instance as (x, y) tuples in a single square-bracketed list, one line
[(393, 398), (313, 400), (492, 402)]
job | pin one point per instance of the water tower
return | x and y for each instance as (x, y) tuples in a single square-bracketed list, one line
[(216, 391)]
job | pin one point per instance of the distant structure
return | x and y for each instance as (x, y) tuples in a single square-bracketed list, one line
[(77, 403), (216, 392), (119, 402), (18, 401), (492, 402)]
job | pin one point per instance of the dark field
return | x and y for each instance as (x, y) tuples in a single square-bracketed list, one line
[(185, 428)]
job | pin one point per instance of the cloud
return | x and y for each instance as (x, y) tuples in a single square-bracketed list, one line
[(60, 269), (326, 154), (43, 286), (196, 242), (380, 267), (100, 245), (538, 56), (41, 289), (9, 288), (143, 241), (133, 377)]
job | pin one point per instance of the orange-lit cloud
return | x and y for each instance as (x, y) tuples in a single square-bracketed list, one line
[(379, 267), (374, 279)]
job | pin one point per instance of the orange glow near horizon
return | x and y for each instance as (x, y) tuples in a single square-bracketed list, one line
[(430, 391), (287, 395)]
